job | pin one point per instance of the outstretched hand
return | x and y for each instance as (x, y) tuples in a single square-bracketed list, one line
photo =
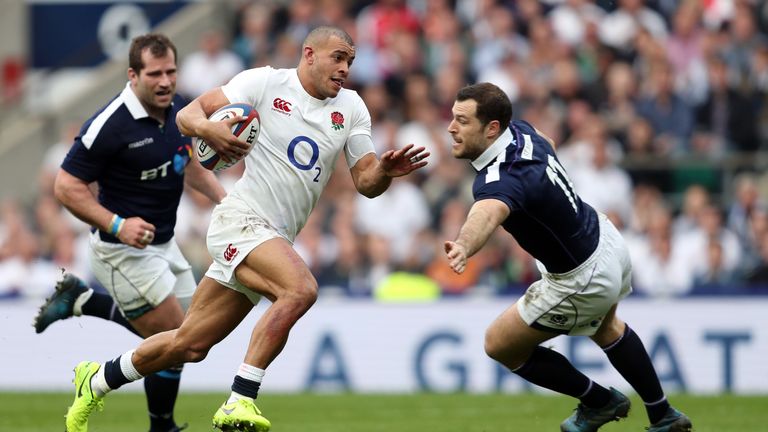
[(457, 256), (396, 163)]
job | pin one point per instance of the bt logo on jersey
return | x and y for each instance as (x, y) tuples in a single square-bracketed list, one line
[(282, 106), (154, 173)]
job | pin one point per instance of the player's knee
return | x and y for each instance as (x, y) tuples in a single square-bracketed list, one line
[(493, 344), (304, 295)]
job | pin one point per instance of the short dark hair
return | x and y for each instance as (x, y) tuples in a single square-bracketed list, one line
[(492, 102), (158, 45), (323, 33)]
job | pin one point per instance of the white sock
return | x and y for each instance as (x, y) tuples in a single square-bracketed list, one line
[(77, 307), (248, 372), (99, 383), (126, 366), (251, 372)]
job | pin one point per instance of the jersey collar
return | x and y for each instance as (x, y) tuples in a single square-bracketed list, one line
[(132, 103), (498, 146)]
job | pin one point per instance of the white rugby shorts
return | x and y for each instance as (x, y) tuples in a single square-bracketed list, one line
[(235, 231), (140, 279), (576, 302)]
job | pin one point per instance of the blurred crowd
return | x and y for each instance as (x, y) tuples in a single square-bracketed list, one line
[(660, 108)]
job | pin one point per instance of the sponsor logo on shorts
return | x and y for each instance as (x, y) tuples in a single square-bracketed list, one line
[(230, 253), (558, 320)]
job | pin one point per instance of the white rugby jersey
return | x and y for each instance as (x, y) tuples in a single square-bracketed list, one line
[(298, 145)]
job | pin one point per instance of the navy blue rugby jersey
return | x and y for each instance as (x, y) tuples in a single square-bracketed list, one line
[(547, 218), (138, 164)]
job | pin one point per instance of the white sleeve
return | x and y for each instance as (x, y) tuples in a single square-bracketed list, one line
[(361, 119), (248, 86), (357, 146)]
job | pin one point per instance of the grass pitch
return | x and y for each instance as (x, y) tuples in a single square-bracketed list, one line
[(126, 412)]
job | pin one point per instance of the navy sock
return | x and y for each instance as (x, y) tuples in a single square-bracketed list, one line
[(161, 389), (628, 355), (114, 375), (549, 369), (103, 306), (245, 387)]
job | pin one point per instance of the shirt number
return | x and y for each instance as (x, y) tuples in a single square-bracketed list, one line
[(559, 177)]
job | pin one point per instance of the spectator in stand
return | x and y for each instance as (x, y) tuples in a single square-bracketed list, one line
[(746, 201), (600, 181), (571, 19), (695, 200), (639, 139), (383, 27), (744, 40), (659, 268), (713, 272), (618, 107), (211, 66), (710, 229), (685, 53), (759, 275), (727, 112), (19, 255), (496, 38), (254, 42), (395, 217), (668, 113), (619, 28), (302, 17)]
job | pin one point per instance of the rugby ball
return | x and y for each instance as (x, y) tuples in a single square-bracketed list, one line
[(246, 131)]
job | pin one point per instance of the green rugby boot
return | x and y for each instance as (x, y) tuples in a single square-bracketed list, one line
[(673, 421), (241, 416), (585, 419), (85, 401), (60, 305)]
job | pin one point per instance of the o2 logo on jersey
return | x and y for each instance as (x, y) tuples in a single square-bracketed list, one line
[(301, 144)]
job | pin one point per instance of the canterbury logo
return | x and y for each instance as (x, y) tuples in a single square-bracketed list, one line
[(282, 105), (230, 252)]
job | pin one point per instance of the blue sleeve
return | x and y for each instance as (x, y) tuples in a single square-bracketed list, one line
[(88, 164), (507, 189)]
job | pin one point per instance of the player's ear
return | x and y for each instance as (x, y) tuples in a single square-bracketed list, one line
[(309, 54), (132, 75), (493, 129)]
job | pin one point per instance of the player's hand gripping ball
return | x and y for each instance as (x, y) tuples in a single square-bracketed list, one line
[(246, 131)]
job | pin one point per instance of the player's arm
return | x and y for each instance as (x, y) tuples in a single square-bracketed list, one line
[(76, 195), (373, 176), (204, 181), (192, 121), (483, 219)]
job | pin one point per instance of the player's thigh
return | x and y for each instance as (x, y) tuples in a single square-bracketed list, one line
[(251, 256), (511, 337), (214, 312), (168, 315), (274, 269)]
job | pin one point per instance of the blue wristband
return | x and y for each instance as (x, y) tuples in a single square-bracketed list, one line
[(116, 224)]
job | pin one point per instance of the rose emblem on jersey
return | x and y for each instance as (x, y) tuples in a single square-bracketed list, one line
[(337, 120)]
